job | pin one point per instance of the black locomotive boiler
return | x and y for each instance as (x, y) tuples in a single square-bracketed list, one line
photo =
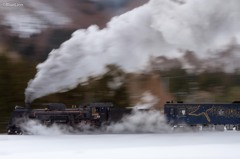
[(94, 114)]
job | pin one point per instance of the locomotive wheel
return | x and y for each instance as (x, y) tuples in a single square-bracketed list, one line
[(208, 127), (14, 132), (219, 127), (238, 128), (18, 132), (229, 127), (195, 127), (179, 128)]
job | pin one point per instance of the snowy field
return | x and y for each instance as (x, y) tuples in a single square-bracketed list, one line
[(189, 145)]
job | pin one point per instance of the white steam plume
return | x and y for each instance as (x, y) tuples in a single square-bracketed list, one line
[(159, 28), (143, 119), (141, 122), (147, 101), (34, 127)]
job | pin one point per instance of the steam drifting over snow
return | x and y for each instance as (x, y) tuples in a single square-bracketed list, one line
[(141, 122), (159, 28)]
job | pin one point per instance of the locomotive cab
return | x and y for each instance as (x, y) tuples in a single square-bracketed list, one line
[(99, 112)]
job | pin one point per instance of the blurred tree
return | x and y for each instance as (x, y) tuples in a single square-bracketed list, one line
[(13, 81), (233, 94), (177, 82), (208, 80)]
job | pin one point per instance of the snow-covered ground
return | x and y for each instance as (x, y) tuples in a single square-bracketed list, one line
[(189, 145)]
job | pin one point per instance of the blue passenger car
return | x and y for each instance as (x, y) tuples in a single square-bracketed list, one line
[(227, 115)]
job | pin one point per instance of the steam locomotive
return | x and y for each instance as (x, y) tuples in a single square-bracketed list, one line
[(94, 114), (205, 116)]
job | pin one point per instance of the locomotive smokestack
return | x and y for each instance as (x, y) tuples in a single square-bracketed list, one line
[(29, 96)]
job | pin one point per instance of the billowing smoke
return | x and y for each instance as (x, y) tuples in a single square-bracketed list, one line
[(147, 101), (143, 119), (159, 28), (34, 127), (141, 122)]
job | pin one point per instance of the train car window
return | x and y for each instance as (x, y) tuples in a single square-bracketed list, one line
[(233, 112), (93, 110), (214, 111), (182, 112), (171, 111), (221, 112)]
